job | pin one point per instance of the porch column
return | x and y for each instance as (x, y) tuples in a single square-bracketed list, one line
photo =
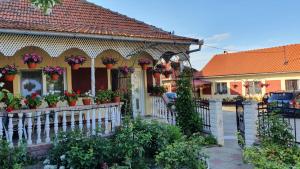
[(93, 81), (109, 79)]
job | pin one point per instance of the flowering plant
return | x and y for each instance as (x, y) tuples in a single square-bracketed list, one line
[(144, 61), (126, 70), (32, 58), (11, 102), (87, 94), (52, 99), (33, 101), (9, 70), (109, 60), (72, 60), (71, 96), (49, 70)]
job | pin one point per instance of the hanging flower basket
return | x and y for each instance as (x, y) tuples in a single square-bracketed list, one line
[(53, 72), (75, 61), (9, 72), (126, 70), (109, 62), (32, 59), (144, 63)]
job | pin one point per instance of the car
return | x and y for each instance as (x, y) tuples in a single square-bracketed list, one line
[(283, 99)]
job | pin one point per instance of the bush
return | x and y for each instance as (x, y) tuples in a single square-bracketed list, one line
[(13, 158), (185, 153), (187, 117)]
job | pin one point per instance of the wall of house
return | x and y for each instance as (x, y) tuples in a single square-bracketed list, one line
[(276, 82)]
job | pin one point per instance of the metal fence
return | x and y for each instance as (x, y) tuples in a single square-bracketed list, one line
[(240, 122), (202, 108), (287, 114)]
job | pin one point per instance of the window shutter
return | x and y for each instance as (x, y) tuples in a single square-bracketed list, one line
[(149, 80), (101, 79), (81, 79), (114, 79)]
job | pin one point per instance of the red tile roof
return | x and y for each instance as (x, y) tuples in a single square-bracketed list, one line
[(283, 59), (79, 16)]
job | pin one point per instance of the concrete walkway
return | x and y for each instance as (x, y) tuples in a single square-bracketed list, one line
[(230, 155)]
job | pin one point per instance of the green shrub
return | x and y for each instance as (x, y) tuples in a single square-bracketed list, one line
[(187, 117), (13, 158), (185, 153)]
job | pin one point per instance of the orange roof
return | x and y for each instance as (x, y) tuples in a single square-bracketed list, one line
[(79, 16), (282, 59)]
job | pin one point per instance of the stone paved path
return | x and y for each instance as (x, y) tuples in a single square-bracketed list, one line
[(230, 155)]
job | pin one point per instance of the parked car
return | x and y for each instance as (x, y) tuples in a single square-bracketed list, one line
[(284, 99)]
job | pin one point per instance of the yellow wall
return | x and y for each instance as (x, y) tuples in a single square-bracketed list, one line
[(261, 77)]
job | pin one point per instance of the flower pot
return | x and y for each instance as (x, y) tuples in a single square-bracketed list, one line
[(9, 78), (144, 67), (156, 75), (109, 66), (53, 105), (31, 65), (75, 66), (55, 77), (72, 103), (117, 99), (86, 101)]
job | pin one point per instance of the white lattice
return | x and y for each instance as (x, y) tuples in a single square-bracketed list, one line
[(55, 45)]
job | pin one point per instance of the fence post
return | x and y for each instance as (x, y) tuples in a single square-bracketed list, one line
[(250, 120), (216, 120)]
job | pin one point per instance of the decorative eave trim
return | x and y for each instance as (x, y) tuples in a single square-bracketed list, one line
[(92, 36)]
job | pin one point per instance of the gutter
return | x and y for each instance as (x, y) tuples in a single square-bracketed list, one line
[(102, 37)]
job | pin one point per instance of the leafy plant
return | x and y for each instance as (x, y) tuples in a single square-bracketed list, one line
[(187, 117), (52, 99), (71, 96), (9, 70), (158, 90), (33, 101), (109, 60), (185, 153), (126, 70), (13, 158), (103, 96), (45, 5)]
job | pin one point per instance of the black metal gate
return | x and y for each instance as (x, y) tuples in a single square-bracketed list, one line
[(240, 123)]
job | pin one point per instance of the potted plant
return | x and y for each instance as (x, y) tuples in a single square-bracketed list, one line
[(71, 97), (32, 59), (143, 62), (158, 91), (33, 101), (52, 99), (9, 72), (156, 73), (117, 96), (126, 70), (53, 71), (86, 100), (109, 62), (167, 73), (11, 102), (103, 96), (75, 61)]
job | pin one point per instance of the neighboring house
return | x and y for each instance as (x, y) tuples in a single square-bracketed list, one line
[(251, 73), (77, 27)]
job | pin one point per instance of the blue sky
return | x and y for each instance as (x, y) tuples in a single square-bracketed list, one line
[(231, 24)]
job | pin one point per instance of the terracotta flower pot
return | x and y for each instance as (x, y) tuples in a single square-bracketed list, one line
[(9, 78), (144, 67), (72, 103), (109, 66), (156, 75), (53, 105), (55, 77), (31, 65), (117, 99), (86, 101), (75, 66)]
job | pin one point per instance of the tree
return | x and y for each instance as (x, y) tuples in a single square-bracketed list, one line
[(187, 117), (45, 5)]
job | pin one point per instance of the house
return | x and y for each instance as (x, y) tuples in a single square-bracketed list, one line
[(251, 73), (80, 28)]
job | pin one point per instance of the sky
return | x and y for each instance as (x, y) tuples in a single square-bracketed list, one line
[(232, 25)]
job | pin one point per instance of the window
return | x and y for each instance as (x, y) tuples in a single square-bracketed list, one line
[(55, 86), (291, 85), (221, 88), (254, 87), (206, 89), (31, 82)]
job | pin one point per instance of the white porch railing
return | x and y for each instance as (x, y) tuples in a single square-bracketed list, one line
[(161, 111), (42, 125)]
